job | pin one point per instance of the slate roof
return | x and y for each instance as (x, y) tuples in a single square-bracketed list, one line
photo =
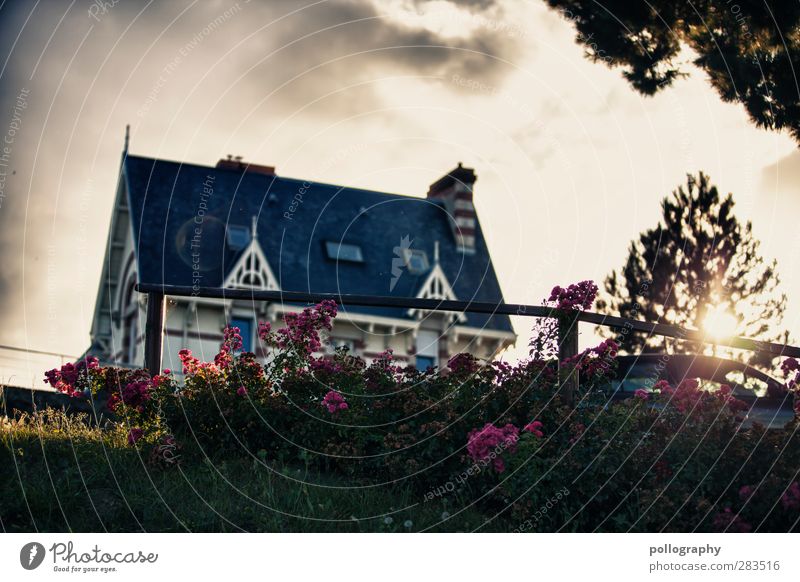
[(166, 201)]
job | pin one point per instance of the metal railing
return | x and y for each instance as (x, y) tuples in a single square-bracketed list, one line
[(567, 334)]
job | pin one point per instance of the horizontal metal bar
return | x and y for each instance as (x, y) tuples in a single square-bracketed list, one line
[(489, 308), (345, 300), (687, 334)]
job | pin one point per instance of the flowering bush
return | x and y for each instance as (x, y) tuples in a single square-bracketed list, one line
[(665, 459), (577, 296), (596, 363), (82, 378), (489, 443)]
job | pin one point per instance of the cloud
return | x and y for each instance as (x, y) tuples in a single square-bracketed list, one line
[(783, 176), (169, 69)]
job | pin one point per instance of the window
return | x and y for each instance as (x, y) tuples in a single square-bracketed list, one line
[(344, 252), (337, 343), (246, 331), (237, 237), (416, 261), (427, 349), (425, 362)]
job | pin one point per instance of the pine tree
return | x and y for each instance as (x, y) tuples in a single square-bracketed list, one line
[(698, 257)]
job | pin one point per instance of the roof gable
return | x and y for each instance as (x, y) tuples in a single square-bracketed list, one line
[(436, 286), (252, 270)]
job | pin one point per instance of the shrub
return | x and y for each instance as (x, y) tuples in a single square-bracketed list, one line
[(675, 459)]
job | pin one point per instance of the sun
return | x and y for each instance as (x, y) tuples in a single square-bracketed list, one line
[(720, 323)]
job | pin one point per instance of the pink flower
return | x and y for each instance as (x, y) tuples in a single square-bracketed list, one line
[(663, 387), (134, 394), (576, 296), (486, 444), (242, 391), (334, 402), (302, 329), (745, 492), (641, 394), (264, 330), (190, 363), (535, 428), (73, 379), (463, 364), (134, 435), (791, 369), (596, 361)]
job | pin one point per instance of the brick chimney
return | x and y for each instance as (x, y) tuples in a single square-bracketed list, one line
[(455, 190), (236, 163)]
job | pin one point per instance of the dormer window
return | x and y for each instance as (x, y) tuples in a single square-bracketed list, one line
[(344, 252), (416, 261), (237, 237)]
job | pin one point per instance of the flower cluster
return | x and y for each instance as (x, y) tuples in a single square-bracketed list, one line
[(463, 364), (190, 363), (382, 373), (302, 329), (134, 394), (725, 394), (791, 498), (334, 402), (231, 343), (641, 394), (791, 369), (487, 443), (325, 366), (73, 379), (596, 361), (688, 395), (134, 435), (535, 428), (264, 331), (576, 296)]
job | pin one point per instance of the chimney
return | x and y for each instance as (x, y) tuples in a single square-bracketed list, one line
[(455, 190), (236, 163)]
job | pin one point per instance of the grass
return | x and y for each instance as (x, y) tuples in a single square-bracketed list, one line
[(62, 475)]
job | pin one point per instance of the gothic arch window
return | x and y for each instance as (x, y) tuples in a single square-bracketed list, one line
[(252, 270), (436, 286)]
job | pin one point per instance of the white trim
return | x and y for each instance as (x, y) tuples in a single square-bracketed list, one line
[(252, 263), (436, 286), (399, 325), (461, 330)]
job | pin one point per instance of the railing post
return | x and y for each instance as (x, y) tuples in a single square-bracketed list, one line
[(567, 348), (154, 332)]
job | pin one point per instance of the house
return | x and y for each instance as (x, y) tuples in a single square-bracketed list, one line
[(239, 225)]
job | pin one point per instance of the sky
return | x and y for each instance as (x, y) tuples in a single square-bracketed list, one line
[(390, 95)]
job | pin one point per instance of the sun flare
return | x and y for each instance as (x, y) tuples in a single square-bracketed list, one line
[(720, 322)]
